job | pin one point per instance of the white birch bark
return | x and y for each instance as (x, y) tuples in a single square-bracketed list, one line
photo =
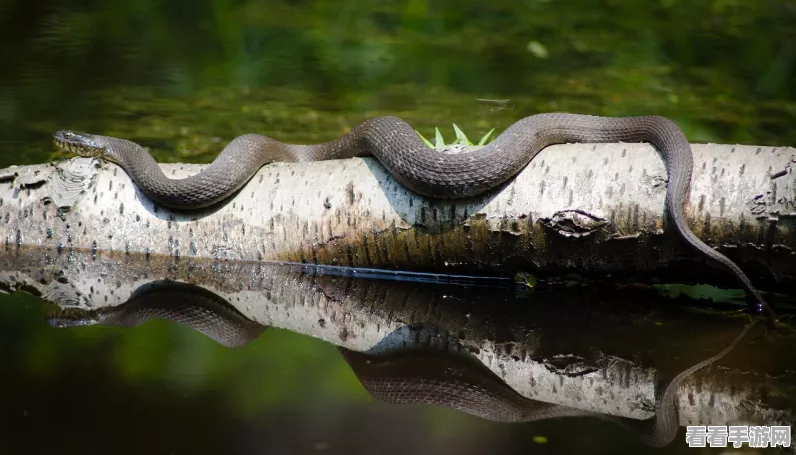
[(583, 208)]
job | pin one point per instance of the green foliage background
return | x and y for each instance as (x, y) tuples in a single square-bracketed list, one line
[(185, 77)]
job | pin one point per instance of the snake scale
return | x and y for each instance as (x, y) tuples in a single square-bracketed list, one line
[(437, 175), (414, 376)]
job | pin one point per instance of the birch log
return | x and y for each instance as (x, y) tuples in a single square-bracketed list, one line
[(583, 208)]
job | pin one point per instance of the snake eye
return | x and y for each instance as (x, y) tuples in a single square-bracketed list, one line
[(81, 143)]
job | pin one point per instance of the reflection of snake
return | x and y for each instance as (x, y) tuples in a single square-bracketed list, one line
[(396, 145), (455, 381), (423, 376), (194, 306)]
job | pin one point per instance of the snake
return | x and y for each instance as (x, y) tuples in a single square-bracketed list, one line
[(403, 376), (396, 145)]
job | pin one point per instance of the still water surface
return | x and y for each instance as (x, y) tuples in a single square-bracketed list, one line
[(289, 385), (183, 78)]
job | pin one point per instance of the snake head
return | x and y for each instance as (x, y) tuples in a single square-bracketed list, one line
[(82, 144)]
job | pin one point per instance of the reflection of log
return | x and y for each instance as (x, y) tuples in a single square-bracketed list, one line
[(543, 345), (561, 214)]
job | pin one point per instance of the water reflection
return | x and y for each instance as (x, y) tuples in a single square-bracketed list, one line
[(518, 356), (193, 306)]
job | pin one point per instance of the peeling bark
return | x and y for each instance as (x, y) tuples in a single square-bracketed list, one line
[(589, 209)]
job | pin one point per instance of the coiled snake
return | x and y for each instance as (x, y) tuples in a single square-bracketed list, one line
[(396, 145)]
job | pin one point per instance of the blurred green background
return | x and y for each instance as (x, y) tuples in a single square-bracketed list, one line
[(184, 77)]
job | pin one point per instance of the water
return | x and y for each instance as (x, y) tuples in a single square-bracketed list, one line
[(183, 78), (286, 388)]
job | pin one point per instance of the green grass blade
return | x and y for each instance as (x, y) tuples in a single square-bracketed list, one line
[(425, 141), (461, 138), (486, 137), (440, 143)]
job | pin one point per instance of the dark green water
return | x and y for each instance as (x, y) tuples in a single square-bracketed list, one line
[(184, 77)]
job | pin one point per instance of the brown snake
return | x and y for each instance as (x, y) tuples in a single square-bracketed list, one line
[(422, 376), (437, 175)]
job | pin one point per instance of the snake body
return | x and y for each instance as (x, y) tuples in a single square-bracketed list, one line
[(407, 376), (437, 175)]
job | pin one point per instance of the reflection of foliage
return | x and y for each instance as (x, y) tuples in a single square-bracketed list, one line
[(525, 278), (723, 69), (702, 291)]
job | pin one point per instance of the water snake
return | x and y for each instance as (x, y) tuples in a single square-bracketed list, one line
[(404, 376), (437, 175)]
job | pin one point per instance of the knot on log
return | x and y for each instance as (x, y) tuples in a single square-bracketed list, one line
[(574, 223)]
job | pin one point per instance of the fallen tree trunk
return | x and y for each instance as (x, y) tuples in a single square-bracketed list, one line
[(583, 208)]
